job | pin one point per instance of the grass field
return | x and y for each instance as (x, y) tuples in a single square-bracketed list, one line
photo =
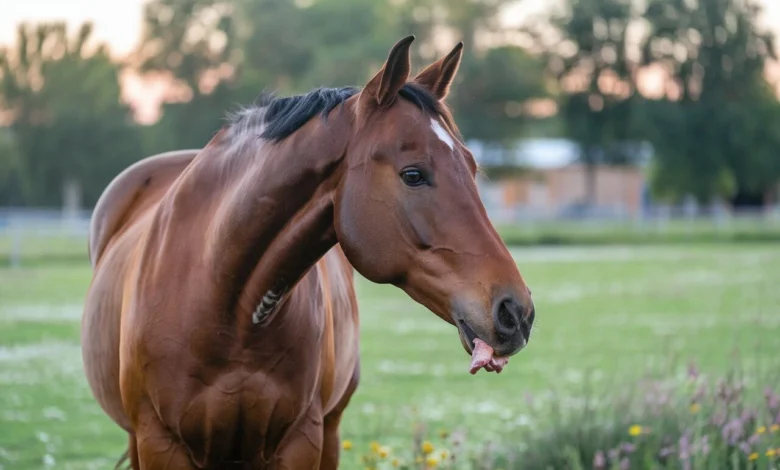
[(606, 313)]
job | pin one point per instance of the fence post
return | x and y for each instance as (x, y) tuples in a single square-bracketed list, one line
[(16, 247)]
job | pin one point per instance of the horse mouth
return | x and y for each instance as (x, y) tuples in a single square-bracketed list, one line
[(482, 355), (469, 334)]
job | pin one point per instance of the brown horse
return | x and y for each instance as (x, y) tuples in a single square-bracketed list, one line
[(221, 326)]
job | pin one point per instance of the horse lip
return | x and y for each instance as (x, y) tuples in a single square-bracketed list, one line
[(469, 333)]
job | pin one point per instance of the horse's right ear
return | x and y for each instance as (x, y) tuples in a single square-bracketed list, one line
[(383, 88)]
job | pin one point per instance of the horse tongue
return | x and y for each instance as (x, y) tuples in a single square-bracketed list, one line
[(482, 356)]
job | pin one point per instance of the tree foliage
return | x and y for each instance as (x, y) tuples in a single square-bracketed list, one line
[(589, 55), (715, 131), (63, 102)]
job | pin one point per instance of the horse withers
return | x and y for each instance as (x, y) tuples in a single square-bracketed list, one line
[(221, 326)]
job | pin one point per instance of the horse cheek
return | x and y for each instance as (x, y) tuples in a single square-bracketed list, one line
[(366, 234)]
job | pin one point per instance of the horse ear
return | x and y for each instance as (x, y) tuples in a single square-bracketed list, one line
[(438, 76), (383, 88)]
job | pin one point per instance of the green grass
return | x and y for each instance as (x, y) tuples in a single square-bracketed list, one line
[(603, 313), (46, 247)]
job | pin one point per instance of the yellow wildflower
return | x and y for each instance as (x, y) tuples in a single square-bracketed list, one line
[(427, 447), (761, 430), (771, 453), (346, 445), (444, 454), (635, 430), (774, 427), (432, 461), (753, 456), (695, 408), (395, 463), (374, 447), (383, 451)]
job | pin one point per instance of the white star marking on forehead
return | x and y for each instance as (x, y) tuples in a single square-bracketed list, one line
[(442, 134)]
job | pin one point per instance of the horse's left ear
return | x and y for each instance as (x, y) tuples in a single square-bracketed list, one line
[(438, 76)]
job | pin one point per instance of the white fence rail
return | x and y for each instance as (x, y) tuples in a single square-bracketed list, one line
[(38, 234)]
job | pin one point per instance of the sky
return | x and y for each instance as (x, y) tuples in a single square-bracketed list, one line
[(118, 22)]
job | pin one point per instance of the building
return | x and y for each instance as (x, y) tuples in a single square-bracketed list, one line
[(553, 183)]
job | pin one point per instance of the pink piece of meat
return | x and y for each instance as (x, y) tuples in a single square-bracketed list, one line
[(482, 356)]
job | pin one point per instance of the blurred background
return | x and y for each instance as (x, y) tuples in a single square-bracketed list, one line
[(631, 156)]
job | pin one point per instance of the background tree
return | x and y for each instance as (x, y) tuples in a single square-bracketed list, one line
[(62, 97), (586, 47), (715, 129), (192, 45)]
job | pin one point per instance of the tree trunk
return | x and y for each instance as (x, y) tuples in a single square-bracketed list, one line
[(590, 179)]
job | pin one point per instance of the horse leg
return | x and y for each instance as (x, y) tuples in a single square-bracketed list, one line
[(332, 440), (132, 449), (301, 447), (157, 448)]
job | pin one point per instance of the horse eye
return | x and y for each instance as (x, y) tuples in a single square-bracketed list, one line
[(413, 177)]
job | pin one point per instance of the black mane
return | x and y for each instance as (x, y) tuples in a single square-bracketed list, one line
[(283, 116)]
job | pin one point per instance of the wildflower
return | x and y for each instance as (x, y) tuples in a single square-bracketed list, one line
[(427, 447), (443, 433), (772, 399), (395, 463), (444, 454), (346, 445), (695, 408), (774, 427), (383, 451), (666, 452), (761, 430), (432, 461), (599, 461), (704, 445), (771, 453), (635, 430), (374, 447), (744, 447), (753, 456), (684, 446), (732, 431)]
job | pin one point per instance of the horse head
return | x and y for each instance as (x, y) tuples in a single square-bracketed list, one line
[(407, 211)]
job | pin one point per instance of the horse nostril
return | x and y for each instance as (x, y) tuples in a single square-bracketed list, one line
[(526, 323), (508, 317)]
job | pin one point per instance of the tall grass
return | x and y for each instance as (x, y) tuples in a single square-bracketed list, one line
[(677, 419)]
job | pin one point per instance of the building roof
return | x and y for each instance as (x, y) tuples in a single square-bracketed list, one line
[(541, 153)]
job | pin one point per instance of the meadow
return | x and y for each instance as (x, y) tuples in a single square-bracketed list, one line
[(605, 316)]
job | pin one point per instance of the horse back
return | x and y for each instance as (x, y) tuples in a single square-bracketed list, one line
[(134, 191)]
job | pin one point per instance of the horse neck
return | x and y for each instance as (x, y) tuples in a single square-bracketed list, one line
[(271, 217)]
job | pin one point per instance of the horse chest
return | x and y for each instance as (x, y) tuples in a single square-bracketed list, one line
[(239, 418)]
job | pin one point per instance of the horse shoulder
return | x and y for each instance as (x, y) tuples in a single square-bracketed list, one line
[(135, 189)]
